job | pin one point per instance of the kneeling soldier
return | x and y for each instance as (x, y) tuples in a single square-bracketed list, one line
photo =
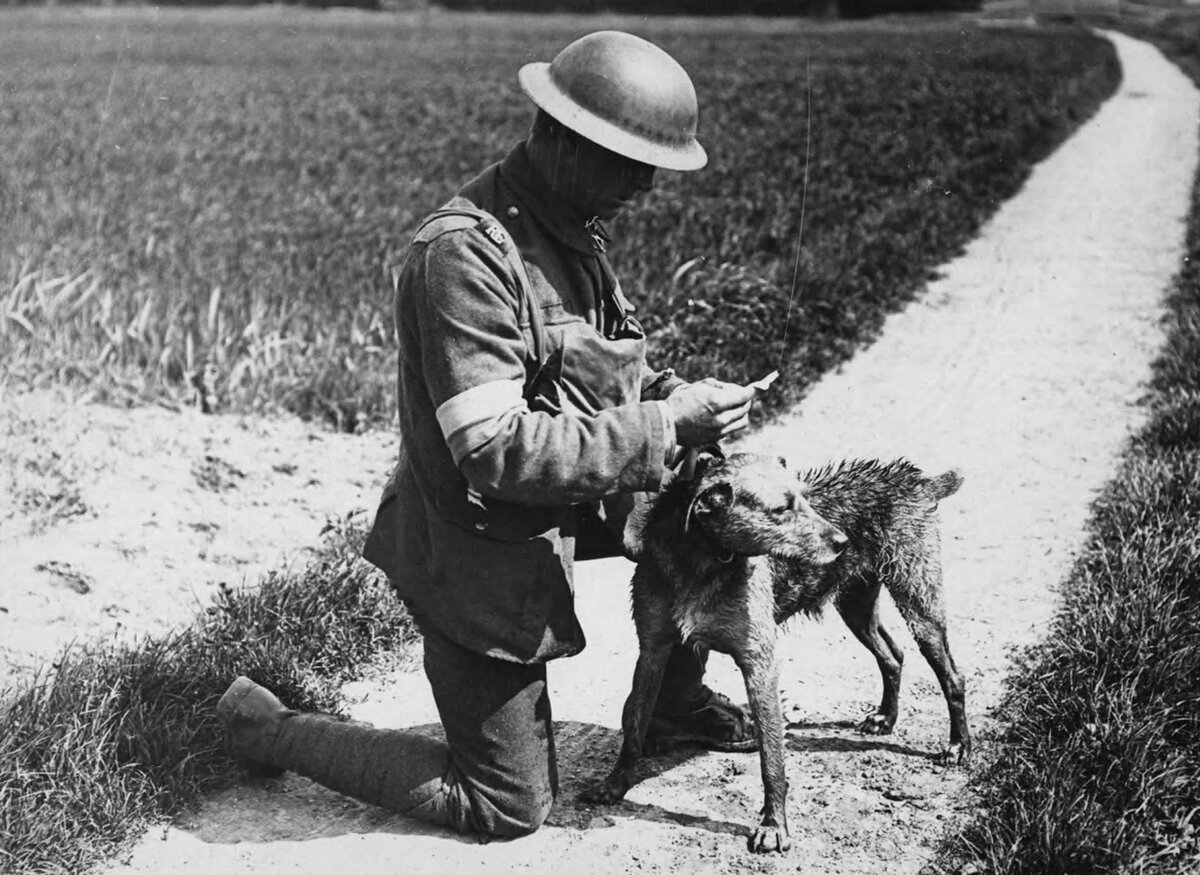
[(528, 420)]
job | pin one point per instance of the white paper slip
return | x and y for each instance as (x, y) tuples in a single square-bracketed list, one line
[(765, 383)]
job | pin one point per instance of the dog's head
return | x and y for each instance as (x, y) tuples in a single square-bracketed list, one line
[(753, 505)]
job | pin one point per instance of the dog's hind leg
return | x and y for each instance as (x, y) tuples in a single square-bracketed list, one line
[(858, 603), (936, 650), (926, 620)]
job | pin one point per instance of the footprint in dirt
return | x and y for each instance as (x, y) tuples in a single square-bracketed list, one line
[(216, 475)]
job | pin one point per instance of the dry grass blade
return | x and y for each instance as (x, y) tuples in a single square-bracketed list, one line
[(18, 319), (213, 322)]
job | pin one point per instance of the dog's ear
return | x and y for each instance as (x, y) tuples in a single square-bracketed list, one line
[(710, 500), (717, 497)]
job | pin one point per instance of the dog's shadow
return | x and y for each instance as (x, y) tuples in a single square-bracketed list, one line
[(593, 750), (586, 756), (842, 736)]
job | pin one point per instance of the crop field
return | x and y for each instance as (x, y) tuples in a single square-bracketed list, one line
[(210, 201)]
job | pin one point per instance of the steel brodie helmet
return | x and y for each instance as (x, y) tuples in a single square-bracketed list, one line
[(623, 93)]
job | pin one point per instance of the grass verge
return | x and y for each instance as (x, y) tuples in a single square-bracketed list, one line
[(1100, 765), (120, 735)]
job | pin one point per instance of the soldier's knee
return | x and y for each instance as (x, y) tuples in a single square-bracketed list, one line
[(513, 814)]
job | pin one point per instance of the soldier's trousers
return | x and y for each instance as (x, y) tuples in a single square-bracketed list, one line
[(496, 773)]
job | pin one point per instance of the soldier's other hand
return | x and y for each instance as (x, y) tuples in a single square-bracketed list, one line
[(709, 410)]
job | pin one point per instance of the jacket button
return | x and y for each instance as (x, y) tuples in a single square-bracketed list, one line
[(482, 527), (512, 212)]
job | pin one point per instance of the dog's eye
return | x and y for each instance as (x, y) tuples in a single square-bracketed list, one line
[(789, 505)]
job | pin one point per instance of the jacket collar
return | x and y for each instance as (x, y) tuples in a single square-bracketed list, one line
[(585, 235)]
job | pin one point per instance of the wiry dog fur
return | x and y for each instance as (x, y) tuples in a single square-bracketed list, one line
[(746, 543)]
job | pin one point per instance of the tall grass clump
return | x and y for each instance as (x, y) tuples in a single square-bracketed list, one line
[(218, 216), (120, 735), (1100, 765)]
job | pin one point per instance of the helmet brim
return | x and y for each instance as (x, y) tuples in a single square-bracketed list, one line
[(535, 81)]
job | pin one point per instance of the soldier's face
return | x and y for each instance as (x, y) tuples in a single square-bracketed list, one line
[(600, 182)]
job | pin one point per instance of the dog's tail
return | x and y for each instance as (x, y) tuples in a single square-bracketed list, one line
[(946, 484)]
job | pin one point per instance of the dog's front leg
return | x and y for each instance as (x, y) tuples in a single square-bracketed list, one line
[(761, 673), (635, 718)]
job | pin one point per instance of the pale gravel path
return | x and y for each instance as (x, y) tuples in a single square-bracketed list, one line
[(162, 508), (1021, 367)]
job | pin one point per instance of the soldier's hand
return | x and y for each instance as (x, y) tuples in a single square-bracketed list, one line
[(709, 410)]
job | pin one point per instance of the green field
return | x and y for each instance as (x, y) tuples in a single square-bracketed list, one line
[(221, 193)]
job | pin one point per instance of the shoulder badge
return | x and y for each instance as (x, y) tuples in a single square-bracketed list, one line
[(494, 233)]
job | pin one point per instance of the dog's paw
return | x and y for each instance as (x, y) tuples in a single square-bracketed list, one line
[(877, 724), (956, 754), (607, 792), (768, 838)]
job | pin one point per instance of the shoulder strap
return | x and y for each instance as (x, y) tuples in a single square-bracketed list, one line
[(457, 218)]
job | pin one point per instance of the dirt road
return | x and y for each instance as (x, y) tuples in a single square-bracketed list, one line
[(1021, 366)]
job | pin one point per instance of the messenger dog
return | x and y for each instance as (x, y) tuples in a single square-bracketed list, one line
[(744, 543)]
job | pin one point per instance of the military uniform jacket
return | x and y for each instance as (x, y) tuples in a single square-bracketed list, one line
[(502, 445)]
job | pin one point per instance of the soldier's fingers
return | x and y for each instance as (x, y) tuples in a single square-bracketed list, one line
[(725, 396), (742, 395), (741, 411), (735, 425)]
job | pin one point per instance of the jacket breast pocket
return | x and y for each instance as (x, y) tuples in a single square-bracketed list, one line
[(586, 372)]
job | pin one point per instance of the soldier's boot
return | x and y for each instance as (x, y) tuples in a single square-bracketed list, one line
[(401, 771), (688, 711), (249, 713)]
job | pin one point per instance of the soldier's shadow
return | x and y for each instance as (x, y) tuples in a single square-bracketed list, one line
[(291, 808)]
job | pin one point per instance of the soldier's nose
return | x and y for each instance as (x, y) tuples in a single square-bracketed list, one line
[(640, 177), (646, 180)]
